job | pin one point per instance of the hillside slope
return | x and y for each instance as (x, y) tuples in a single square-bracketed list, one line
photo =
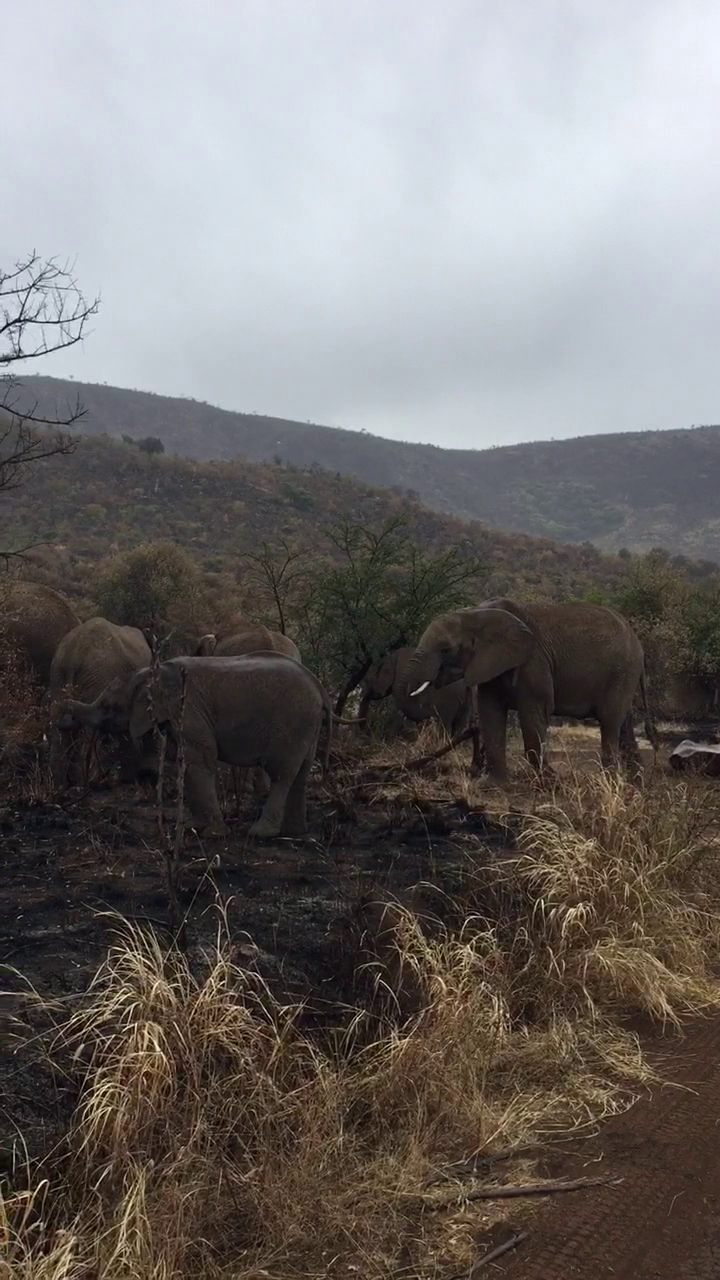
[(636, 490), (107, 496)]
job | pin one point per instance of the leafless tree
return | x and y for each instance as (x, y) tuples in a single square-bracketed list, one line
[(278, 573), (42, 310)]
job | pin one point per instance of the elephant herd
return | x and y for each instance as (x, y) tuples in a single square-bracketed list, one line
[(245, 699)]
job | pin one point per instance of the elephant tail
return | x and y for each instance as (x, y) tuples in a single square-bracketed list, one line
[(650, 728), (327, 729)]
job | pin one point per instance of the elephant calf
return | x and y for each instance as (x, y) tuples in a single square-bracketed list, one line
[(94, 656), (260, 710)]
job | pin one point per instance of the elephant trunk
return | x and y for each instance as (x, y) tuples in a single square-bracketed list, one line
[(72, 714), (363, 709), (422, 671)]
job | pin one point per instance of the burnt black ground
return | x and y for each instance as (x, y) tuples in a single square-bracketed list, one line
[(72, 873)]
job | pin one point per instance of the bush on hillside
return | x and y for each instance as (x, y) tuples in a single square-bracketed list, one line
[(678, 622), (156, 585)]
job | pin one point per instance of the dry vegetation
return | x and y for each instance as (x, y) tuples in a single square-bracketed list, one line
[(637, 489), (108, 496), (219, 1133)]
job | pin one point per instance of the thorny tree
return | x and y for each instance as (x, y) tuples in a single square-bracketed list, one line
[(377, 593), (42, 310), (277, 575)]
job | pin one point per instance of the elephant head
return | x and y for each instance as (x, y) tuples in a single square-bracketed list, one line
[(109, 712), (156, 699), (377, 683), (476, 645), (380, 678), (206, 646)]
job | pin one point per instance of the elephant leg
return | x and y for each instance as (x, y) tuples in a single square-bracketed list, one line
[(129, 759), (238, 784), (534, 719), (61, 743), (617, 737), (629, 753), (259, 784), (78, 766), (201, 794), (270, 822), (362, 714), (468, 718), (465, 715), (295, 821), (492, 720)]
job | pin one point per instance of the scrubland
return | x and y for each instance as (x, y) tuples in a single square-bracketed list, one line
[(494, 967)]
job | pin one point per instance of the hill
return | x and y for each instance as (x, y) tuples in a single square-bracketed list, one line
[(108, 496), (635, 490)]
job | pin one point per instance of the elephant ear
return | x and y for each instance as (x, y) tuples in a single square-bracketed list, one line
[(498, 642)]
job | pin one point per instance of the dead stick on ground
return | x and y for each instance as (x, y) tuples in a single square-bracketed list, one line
[(523, 1189), (420, 761), (494, 1254), (379, 774)]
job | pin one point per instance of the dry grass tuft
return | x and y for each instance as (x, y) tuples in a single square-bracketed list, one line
[(620, 899), (217, 1138), (23, 719)]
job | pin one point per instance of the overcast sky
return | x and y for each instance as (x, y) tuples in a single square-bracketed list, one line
[(464, 222)]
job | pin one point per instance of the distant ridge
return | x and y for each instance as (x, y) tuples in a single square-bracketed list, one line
[(636, 489)]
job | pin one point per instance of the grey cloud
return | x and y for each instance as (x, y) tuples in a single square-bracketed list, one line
[(467, 222)]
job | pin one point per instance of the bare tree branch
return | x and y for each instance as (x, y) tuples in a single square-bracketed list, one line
[(42, 309), (18, 552), (278, 573)]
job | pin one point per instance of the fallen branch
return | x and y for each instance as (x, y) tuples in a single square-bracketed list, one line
[(495, 1253), (522, 1189), (420, 761), (382, 772)]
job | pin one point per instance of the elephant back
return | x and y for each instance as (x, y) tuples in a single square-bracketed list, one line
[(33, 620), (95, 653), (256, 639)]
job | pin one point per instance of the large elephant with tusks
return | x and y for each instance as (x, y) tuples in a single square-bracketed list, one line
[(576, 659)]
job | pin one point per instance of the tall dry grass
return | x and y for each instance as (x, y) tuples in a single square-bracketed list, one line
[(215, 1137)]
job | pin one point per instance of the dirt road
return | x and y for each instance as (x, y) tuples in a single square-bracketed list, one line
[(663, 1221)]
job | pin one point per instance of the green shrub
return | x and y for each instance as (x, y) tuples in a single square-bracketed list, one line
[(156, 584)]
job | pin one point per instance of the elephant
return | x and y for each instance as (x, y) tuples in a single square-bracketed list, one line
[(450, 706), (246, 637), (572, 659), (238, 638), (94, 655), (263, 709), (33, 621)]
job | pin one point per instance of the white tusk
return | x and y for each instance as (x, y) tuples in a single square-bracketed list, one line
[(421, 689)]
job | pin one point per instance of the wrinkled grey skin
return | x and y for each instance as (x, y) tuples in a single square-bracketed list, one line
[(242, 637), (246, 638), (450, 705), (33, 621), (95, 656), (262, 710), (579, 660)]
